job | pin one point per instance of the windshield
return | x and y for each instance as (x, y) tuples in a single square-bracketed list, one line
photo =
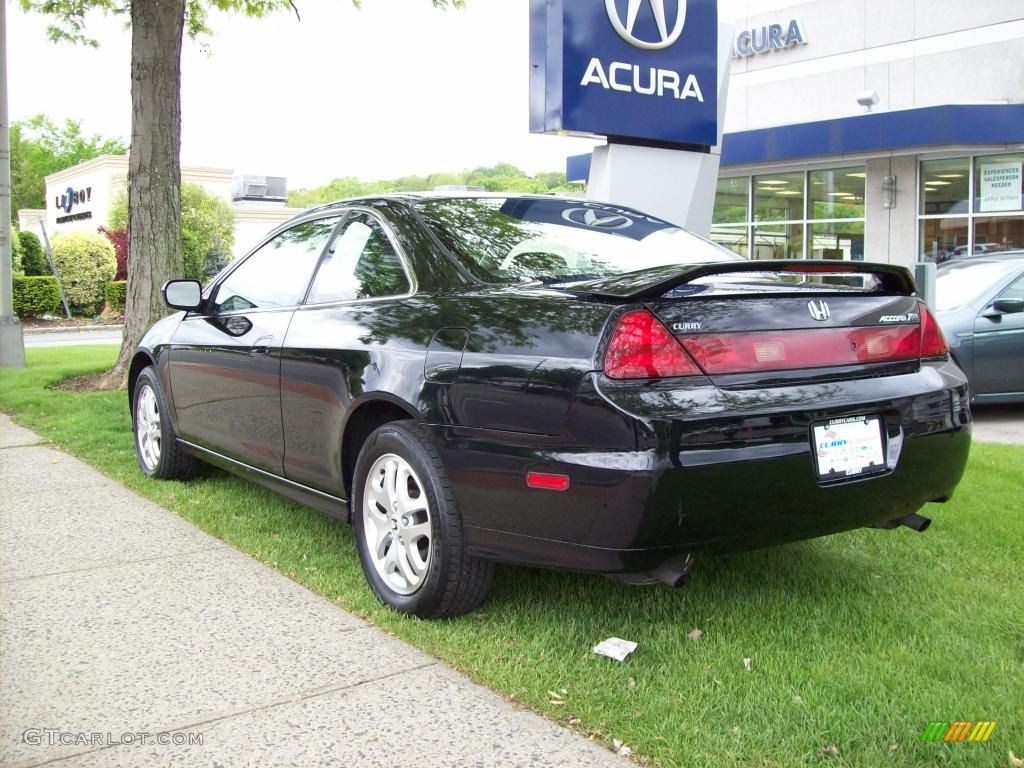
[(961, 283), (557, 240)]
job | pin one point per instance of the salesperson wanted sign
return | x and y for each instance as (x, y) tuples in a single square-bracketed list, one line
[(1000, 187)]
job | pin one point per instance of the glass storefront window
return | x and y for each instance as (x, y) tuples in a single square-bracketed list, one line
[(838, 240), (945, 186), (943, 239), (731, 201), (779, 197), (785, 205), (998, 183), (837, 194), (998, 233), (733, 238), (990, 222), (779, 241)]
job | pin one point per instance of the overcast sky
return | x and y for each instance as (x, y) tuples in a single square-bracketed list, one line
[(392, 89)]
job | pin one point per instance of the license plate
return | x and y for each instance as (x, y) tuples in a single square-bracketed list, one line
[(848, 447)]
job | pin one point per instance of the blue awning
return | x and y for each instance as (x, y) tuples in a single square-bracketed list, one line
[(945, 125), (949, 124)]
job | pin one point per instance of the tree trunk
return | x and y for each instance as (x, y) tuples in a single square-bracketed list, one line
[(154, 171)]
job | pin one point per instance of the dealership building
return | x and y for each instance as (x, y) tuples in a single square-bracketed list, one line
[(80, 199), (871, 129)]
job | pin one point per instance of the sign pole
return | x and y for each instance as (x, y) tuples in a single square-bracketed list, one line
[(12, 343), (53, 268)]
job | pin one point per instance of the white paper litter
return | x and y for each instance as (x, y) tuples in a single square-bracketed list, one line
[(615, 648)]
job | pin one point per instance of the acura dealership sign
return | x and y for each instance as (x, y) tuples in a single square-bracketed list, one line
[(770, 37), (664, 38), (638, 69)]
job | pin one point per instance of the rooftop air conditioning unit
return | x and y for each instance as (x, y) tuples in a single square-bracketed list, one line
[(270, 189)]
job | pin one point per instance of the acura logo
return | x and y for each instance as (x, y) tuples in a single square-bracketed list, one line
[(818, 309), (595, 218), (657, 10)]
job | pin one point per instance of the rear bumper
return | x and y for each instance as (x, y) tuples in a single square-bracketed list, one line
[(656, 470)]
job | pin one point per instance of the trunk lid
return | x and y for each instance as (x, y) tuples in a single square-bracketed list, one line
[(763, 323), (779, 276)]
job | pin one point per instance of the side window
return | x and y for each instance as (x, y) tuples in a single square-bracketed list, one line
[(361, 263), (277, 274), (1015, 291)]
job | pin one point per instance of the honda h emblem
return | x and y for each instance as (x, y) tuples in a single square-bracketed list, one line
[(666, 36), (818, 309)]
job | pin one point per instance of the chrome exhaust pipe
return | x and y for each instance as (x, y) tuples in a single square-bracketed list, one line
[(918, 522), (915, 521), (675, 571)]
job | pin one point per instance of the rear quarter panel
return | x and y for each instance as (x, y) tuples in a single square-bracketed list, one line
[(522, 359)]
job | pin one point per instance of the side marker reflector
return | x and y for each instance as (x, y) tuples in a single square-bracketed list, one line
[(547, 482)]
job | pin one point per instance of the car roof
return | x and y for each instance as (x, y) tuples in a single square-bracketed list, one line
[(980, 258), (447, 194)]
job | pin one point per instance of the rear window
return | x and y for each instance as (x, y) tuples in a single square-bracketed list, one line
[(961, 283), (555, 240)]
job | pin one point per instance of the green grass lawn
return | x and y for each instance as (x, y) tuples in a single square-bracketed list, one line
[(857, 640)]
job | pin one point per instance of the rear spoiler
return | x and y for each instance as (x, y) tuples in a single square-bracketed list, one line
[(656, 282)]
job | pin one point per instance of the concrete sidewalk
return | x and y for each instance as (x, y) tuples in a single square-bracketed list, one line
[(999, 424), (120, 618), (71, 336)]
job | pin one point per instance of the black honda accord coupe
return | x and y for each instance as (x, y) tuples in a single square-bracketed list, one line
[(470, 379)]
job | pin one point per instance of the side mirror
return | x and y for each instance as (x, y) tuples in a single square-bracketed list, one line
[(183, 294), (1008, 306)]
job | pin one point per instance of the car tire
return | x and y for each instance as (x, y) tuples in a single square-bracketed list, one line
[(157, 449), (408, 528)]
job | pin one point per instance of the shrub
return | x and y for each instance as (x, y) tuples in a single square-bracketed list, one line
[(216, 260), (119, 239), (17, 268), (86, 263), (207, 229), (118, 216), (33, 259), (36, 295), (114, 294)]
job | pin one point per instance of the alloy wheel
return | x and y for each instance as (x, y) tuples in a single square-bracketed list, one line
[(147, 427), (396, 524)]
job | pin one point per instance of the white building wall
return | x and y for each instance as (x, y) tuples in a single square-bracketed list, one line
[(100, 178), (890, 234), (107, 175), (29, 218), (914, 53), (216, 181)]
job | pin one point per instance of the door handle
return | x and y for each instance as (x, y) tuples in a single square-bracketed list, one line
[(261, 347)]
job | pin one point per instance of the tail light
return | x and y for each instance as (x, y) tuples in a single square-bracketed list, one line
[(642, 348), (758, 352), (933, 343)]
